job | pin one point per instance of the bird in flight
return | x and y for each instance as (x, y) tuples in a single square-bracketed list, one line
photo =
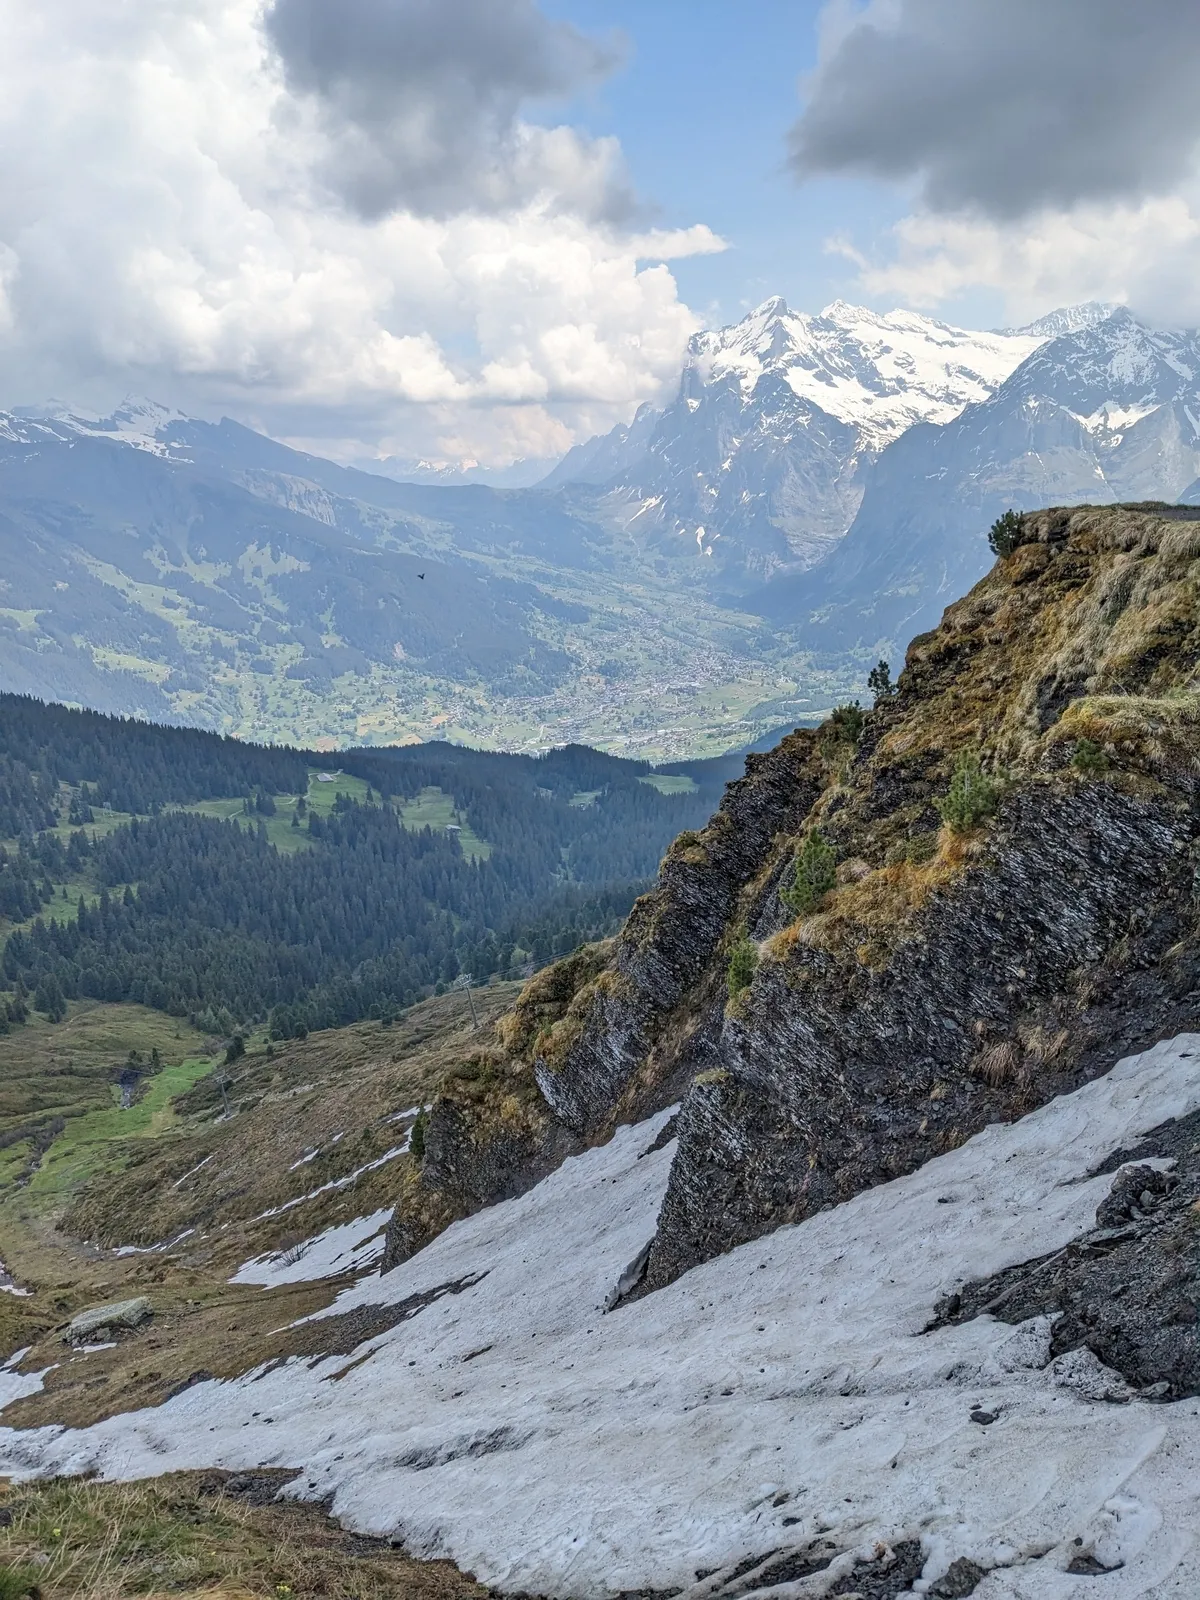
[(420, 575)]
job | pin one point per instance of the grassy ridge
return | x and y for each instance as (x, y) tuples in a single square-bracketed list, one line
[(95, 1141), (71, 1070)]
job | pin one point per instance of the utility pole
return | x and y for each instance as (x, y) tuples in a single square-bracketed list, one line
[(464, 981)]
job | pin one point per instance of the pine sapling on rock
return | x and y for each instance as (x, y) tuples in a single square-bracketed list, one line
[(1005, 534), (972, 797), (814, 876), (879, 680)]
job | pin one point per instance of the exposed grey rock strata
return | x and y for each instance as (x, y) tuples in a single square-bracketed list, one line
[(1129, 1290), (672, 934), (837, 1076), (487, 1172), (103, 1320), (473, 1172)]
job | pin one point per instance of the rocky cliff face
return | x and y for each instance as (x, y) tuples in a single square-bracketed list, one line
[(1007, 905), (609, 1033)]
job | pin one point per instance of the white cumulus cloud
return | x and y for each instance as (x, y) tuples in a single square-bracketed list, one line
[(169, 223)]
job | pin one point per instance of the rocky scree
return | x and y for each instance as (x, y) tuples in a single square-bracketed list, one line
[(950, 977)]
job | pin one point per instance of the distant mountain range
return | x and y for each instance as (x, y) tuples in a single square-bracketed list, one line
[(1109, 412), (761, 461), (186, 570), (818, 489)]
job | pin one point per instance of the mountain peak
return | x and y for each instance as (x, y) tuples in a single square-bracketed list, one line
[(1070, 319), (845, 315), (138, 421), (877, 372)]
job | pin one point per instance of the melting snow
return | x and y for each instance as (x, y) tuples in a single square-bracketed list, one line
[(781, 1391), (152, 1249), (334, 1183), (350, 1247), (13, 1385), (311, 1155), (192, 1171), (9, 1285)]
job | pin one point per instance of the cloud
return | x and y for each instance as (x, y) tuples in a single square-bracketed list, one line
[(166, 226), (1050, 147), (1004, 108), (1145, 255), (420, 100)]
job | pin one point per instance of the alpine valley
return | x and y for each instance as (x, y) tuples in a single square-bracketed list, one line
[(829, 1228), (815, 493)]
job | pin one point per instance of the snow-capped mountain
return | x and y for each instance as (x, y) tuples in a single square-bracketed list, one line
[(878, 373), (1067, 319), (1110, 412), (143, 424), (760, 461), (520, 474)]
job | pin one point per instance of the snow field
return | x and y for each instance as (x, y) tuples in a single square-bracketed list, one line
[(879, 373), (349, 1247), (781, 1392)]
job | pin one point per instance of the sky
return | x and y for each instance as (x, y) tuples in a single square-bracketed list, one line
[(484, 229)]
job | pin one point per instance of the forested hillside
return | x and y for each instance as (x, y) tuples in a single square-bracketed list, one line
[(128, 765), (227, 882)]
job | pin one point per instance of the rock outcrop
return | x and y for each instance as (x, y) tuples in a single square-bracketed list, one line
[(100, 1323), (1008, 906), (1129, 1291), (607, 1034)]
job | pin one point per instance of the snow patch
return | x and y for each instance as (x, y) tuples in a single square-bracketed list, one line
[(14, 1385), (349, 1247), (192, 1171), (153, 1249), (311, 1155), (1116, 418), (9, 1285), (335, 1183), (782, 1392)]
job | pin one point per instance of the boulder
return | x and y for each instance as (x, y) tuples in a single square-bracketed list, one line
[(118, 1315)]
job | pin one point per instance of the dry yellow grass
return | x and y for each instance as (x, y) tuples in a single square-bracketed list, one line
[(870, 914), (202, 1535)]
